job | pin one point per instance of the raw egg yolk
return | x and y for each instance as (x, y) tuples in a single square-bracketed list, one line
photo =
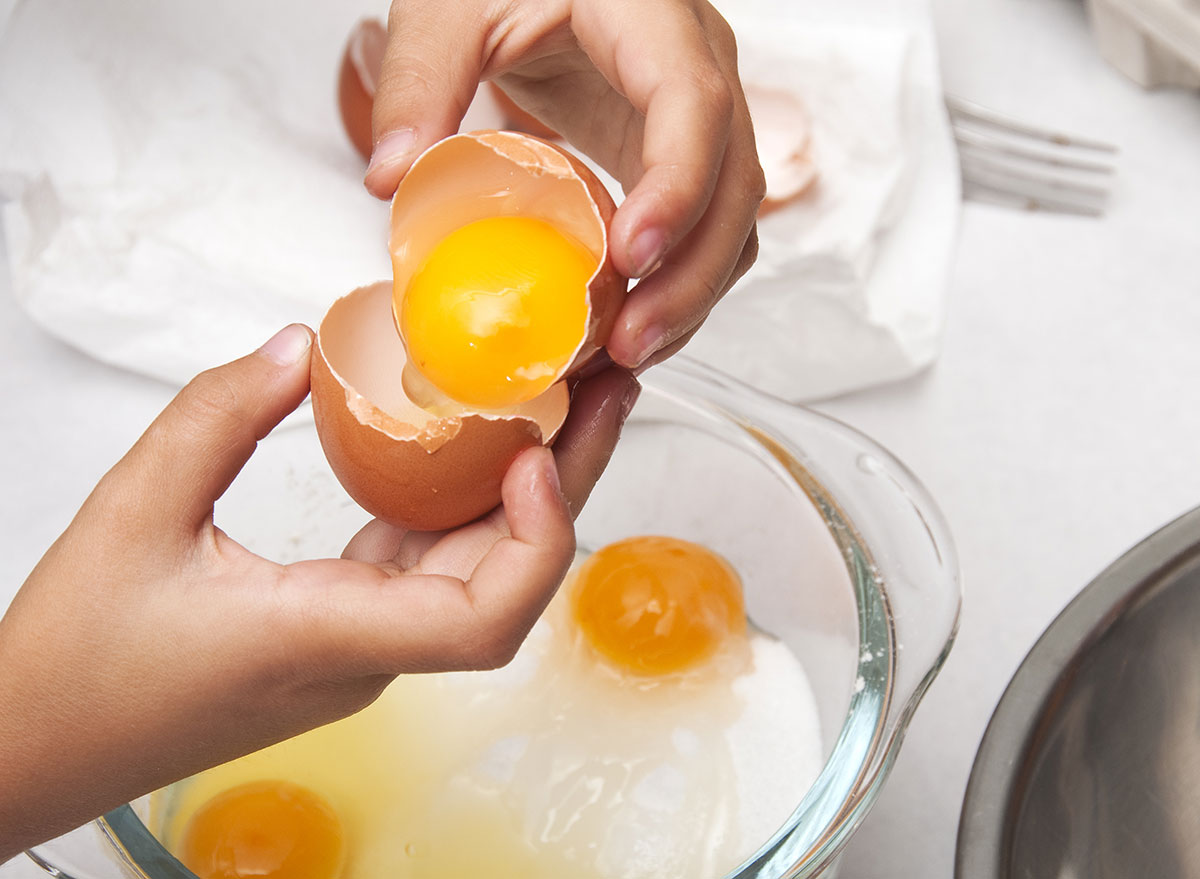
[(264, 830), (657, 605), (497, 310)]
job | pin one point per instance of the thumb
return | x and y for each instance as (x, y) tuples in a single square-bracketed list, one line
[(431, 69), (190, 454)]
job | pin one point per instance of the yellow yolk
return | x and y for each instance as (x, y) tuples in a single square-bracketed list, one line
[(264, 830), (657, 605), (498, 308)]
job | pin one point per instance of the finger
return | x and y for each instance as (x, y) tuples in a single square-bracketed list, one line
[(745, 261), (453, 552), (575, 99), (456, 553), (429, 76), (375, 542), (516, 579), (746, 258), (667, 69), (669, 351), (377, 620), (191, 452), (697, 273), (599, 407)]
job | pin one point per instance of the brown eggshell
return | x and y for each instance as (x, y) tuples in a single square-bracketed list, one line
[(401, 463), (468, 177), (358, 78)]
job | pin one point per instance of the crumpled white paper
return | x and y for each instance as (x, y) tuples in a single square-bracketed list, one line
[(179, 187), (849, 288), (182, 184)]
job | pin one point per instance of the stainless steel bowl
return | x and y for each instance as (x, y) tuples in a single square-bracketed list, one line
[(1090, 766)]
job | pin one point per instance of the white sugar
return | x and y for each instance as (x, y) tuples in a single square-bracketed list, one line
[(776, 741)]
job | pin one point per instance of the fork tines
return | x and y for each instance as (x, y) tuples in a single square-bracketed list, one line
[(1016, 164)]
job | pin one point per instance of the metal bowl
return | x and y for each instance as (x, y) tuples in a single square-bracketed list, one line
[(1091, 762)]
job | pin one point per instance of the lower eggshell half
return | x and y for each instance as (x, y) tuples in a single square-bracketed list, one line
[(399, 462)]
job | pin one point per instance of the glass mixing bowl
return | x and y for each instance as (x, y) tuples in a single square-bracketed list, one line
[(844, 557)]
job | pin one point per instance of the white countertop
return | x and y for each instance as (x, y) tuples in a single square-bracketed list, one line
[(1056, 430)]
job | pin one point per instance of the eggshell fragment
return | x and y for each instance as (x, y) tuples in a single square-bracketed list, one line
[(469, 177), (783, 135), (401, 463), (358, 79)]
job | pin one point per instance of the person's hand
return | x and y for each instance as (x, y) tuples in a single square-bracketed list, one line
[(148, 645), (647, 88)]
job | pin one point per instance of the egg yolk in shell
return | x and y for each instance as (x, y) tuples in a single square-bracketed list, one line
[(497, 310), (264, 830), (657, 605)]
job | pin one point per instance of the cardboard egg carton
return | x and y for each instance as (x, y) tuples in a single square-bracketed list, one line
[(1153, 42)]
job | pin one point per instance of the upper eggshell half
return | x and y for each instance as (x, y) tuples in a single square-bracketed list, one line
[(401, 463), (469, 177)]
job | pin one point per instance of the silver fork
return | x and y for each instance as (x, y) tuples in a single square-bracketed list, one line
[(1013, 163)]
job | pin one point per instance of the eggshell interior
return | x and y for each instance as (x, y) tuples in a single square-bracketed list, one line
[(402, 463), (783, 134), (469, 177), (488, 174)]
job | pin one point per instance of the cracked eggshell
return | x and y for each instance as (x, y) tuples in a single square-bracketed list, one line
[(472, 176), (783, 137), (401, 463)]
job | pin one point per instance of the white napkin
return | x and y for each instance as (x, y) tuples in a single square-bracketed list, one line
[(180, 187), (850, 285), (182, 184)]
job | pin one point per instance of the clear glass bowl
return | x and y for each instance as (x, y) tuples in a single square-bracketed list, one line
[(844, 557)]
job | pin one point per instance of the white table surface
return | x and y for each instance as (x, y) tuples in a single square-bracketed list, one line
[(1057, 429)]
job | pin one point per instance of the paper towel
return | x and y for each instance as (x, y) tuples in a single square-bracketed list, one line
[(849, 289), (180, 187)]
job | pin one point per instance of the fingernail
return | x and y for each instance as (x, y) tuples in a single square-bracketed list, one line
[(649, 340), (392, 148), (288, 345), (646, 252), (631, 396)]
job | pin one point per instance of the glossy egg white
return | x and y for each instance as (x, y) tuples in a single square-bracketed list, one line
[(555, 765)]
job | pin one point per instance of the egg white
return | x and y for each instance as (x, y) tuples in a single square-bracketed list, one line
[(555, 765)]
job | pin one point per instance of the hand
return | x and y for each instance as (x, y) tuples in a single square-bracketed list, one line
[(148, 645), (647, 88)]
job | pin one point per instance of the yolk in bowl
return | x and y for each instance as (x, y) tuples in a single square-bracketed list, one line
[(497, 310), (657, 605), (264, 830)]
